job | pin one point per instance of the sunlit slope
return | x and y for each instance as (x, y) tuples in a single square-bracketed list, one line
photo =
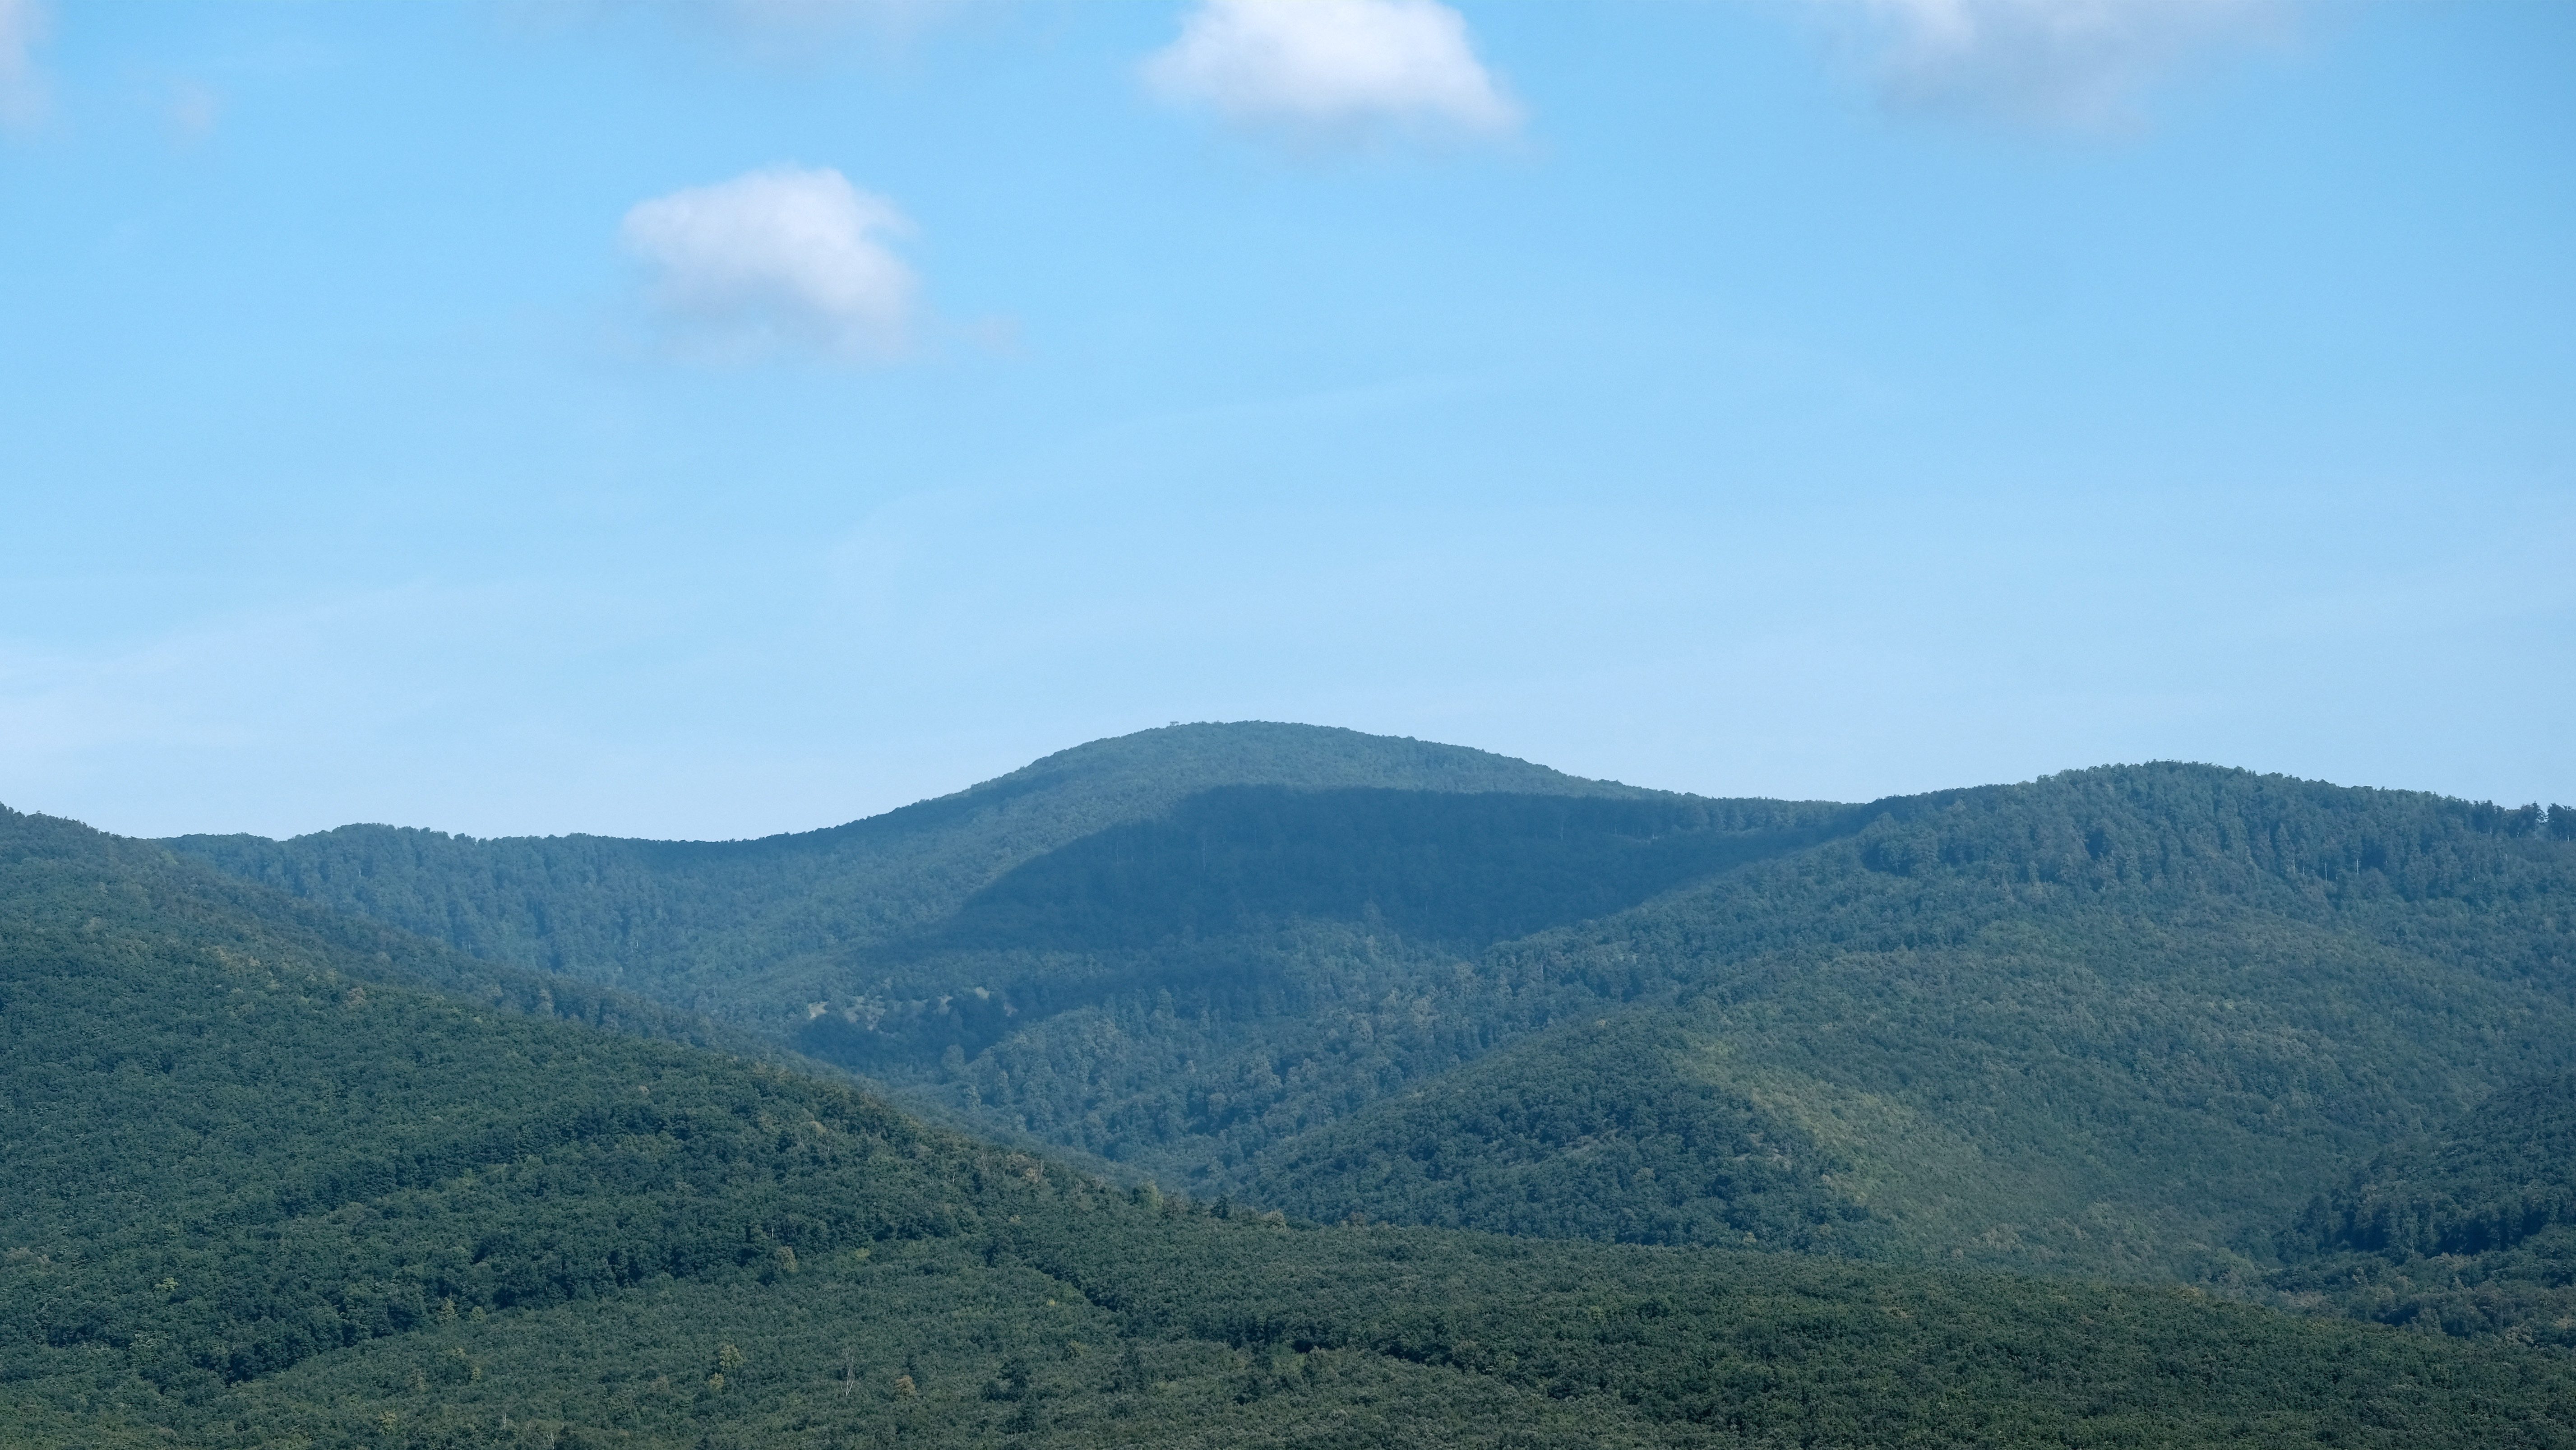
[(2109, 1094), (751, 928), (253, 1200)]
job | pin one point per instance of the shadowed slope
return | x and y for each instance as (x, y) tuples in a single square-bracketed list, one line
[(737, 927)]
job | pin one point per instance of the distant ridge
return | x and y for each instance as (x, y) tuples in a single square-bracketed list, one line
[(646, 914)]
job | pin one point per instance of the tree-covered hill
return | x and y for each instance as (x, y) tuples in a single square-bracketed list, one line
[(2470, 1227), (2123, 1020), (65, 880), (2098, 1093), (719, 924), (257, 1190), (1595, 1130), (1184, 903)]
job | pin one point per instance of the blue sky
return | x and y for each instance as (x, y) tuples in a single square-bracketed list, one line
[(710, 420)]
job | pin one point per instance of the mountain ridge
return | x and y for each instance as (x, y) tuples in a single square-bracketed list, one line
[(2123, 1020), (477, 894)]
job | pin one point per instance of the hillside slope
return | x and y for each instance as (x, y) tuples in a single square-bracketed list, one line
[(2470, 1226), (66, 879), (2119, 1021), (2107, 1094), (2123, 1021), (252, 1200), (737, 928)]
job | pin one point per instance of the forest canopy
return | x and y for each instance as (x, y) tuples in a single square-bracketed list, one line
[(1266, 1086)]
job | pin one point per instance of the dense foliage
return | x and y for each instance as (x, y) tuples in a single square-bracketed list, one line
[(67, 883), (2117, 1021), (2124, 1021), (258, 1191), (2471, 1227), (1600, 1130), (739, 928), (2099, 1092), (1171, 904)]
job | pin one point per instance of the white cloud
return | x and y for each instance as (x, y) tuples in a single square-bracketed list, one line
[(2079, 63), (23, 99), (781, 259), (1331, 65)]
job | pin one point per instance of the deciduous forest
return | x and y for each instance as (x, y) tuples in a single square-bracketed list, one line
[(1274, 1085)]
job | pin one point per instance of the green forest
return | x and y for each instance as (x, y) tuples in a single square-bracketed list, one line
[(1278, 1086), (2122, 1021)]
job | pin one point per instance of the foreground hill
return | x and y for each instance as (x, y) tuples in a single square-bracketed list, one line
[(2121, 1021), (259, 1192)]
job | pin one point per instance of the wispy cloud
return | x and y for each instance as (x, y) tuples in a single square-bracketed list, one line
[(2075, 63), (1332, 66), (778, 260), (24, 99)]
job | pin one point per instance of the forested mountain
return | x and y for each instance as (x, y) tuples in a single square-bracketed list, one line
[(2116, 1096), (65, 881), (739, 928), (2119, 1021), (260, 1186)]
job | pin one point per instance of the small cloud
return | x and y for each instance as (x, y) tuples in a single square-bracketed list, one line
[(2077, 63), (777, 260), (1331, 65), (194, 110), (24, 100)]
